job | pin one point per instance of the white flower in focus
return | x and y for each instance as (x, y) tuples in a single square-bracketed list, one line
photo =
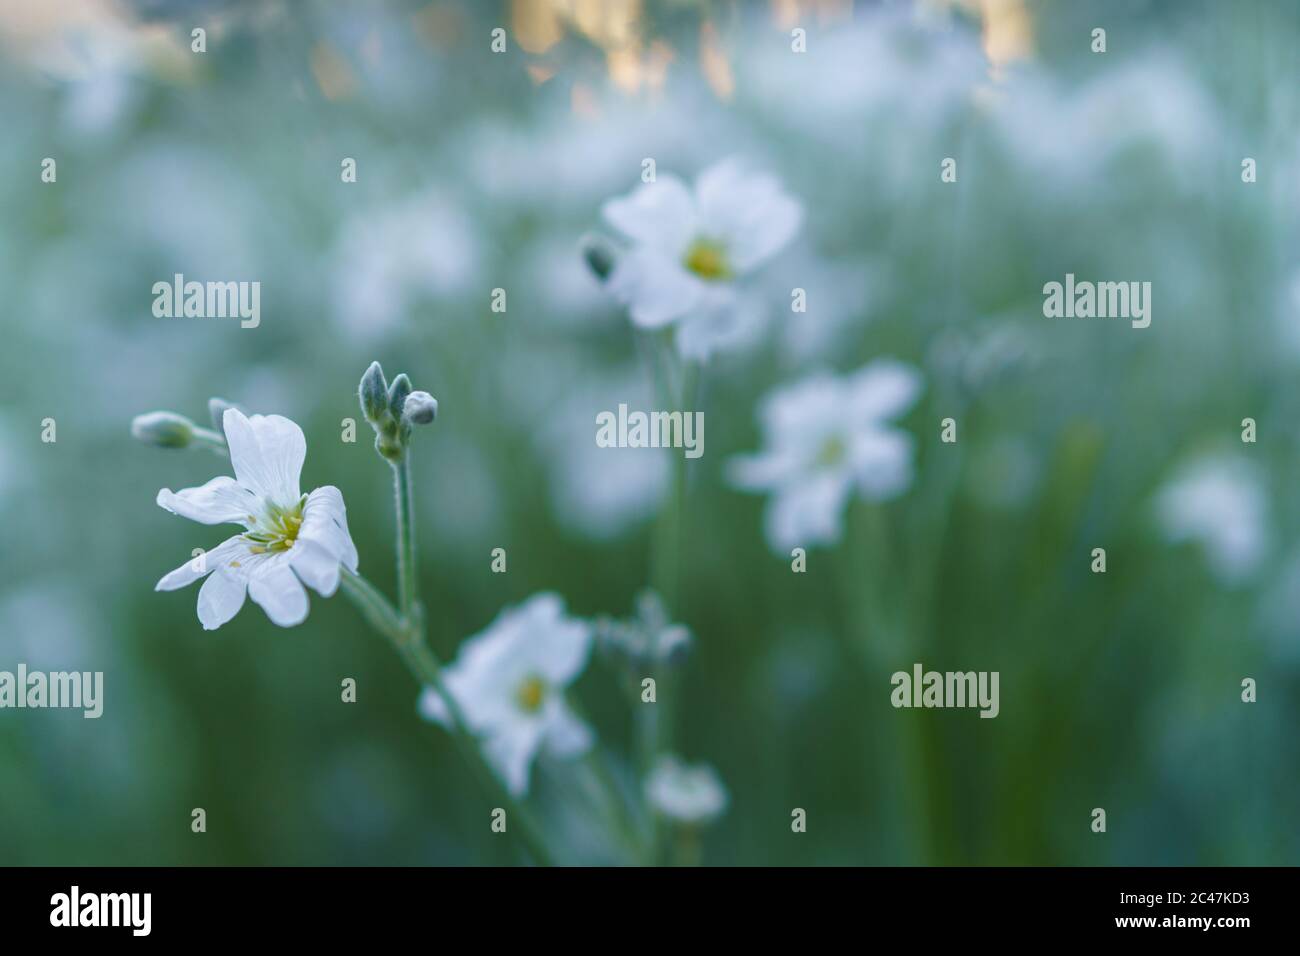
[(1219, 503), (509, 681), (291, 539), (826, 437), (689, 248), (690, 795)]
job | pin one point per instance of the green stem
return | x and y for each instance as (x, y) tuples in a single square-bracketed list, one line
[(676, 394), (675, 384), (406, 584), (405, 629), (422, 663)]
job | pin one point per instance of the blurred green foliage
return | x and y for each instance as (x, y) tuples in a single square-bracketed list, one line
[(1119, 690)]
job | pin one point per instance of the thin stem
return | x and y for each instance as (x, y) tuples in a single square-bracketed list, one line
[(406, 584), (405, 630), (675, 383), (676, 394), (424, 666), (422, 662)]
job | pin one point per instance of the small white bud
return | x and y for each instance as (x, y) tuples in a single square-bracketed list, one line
[(421, 408)]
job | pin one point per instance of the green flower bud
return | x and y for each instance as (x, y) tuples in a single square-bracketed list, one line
[(163, 429), (600, 254), (373, 392), (421, 408), (397, 393)]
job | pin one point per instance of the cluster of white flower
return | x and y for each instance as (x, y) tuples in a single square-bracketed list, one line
[(826, 436)]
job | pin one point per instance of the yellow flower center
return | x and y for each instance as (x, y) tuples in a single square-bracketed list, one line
[(530, 694), (276, 530), (708, 260), (832, 452)]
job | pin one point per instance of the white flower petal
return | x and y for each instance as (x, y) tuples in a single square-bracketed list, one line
[(221, 501), (279, 592), (315, 565), (882, 462), (431, 707), (808, 513), (688, 794), (221, 597), (325, 521), (558, 646), (765, 470), (722, 321), (883, 389), (655, 288), (195, 568), (566, 735), (802, 414), (748, 212), (267, 452), (511, 751), (659, 214), (481, 680)]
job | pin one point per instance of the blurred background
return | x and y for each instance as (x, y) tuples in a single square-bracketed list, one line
[(478, 170)]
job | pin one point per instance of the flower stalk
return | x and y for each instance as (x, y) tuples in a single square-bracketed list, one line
[(392, 410)]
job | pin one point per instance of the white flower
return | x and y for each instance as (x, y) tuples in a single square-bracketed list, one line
[(825, 437), (291, 539), (688, 248), (691, 795), (1220, 504), (509, 681)]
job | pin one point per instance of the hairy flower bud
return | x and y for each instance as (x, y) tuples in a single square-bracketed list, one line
[(373, 392), (600, 255), (397, 393), (421, 408), (163, 429)]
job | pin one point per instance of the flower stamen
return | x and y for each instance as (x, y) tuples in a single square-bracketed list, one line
[(277, 530), (708, 260), (531, 694)]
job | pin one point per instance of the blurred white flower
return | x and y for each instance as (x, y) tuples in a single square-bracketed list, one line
[(847, 94), (649, 637), (1220, 504), (291, 539), (839, 296), (692, 795), (509, 681), (824, 437), (422, 246), (1068, 134), (1287, 321), (600, 493), (688, 249)]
